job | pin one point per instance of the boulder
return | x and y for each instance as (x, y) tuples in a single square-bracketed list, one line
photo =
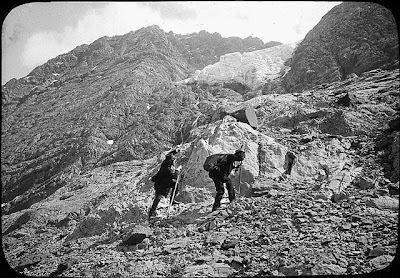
[(383, 202), (135, 235), (263, 155), (346, 100), (376, 252), (381, 262), (365, 183), (208, 270), (326, 158), (328, 269), (245, 115)]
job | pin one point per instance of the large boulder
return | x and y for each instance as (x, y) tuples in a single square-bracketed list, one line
[(320, 159), (263, 155)]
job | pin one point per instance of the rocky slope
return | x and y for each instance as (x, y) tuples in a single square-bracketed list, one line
[(333, 211), (352, 38), (83, 133)]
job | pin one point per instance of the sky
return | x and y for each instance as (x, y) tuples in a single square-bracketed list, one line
[(36, 32)]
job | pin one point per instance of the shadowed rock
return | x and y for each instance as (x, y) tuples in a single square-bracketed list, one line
[(246, 115), (137, 235)]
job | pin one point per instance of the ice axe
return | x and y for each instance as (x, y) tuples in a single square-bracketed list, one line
[(240, 170)]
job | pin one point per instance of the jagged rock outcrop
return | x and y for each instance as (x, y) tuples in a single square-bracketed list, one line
[(352, 38)]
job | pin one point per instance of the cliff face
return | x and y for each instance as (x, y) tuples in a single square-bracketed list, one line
[(353, 37)]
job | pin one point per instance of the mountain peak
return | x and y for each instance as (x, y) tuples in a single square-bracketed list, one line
[(352, 38)]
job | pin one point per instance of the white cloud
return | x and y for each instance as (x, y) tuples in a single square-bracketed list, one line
[(42, 46)]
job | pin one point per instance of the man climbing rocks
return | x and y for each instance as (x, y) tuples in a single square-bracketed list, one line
[(220, 172), (164, 180)]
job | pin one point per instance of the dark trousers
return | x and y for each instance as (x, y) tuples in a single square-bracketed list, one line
[(219, 186), (157, 199)]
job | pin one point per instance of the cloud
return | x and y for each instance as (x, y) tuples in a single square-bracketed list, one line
[(115, 19), (42, 46), (173, 10)]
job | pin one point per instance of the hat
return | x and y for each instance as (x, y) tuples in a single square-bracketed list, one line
[(240, 154)]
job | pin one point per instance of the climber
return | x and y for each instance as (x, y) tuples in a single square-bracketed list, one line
[(164, 180), (220, 172)]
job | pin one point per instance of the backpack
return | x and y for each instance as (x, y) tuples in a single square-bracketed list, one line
[(214, 161)]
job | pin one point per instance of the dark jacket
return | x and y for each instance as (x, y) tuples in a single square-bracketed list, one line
[(165, 177), (225, 168)]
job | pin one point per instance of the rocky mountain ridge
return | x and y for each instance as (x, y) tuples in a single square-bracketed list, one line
[(365, 37)]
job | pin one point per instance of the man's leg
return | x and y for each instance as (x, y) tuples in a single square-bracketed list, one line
[(153, 208), (231, 190), (219, 186)]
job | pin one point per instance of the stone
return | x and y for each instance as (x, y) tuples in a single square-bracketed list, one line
[(328, 269), (277, 211), (136, 235), (365, 183), (346, 100), (383, 202), (208, 270), (345, 227), (338, 197), (215, 238), (229, 243), (246, 115), (376, 252), (356, 218), (177, 244), (203, 270), (381, 262), (222, 270), (226, 136), (290, 270), (236, 263)]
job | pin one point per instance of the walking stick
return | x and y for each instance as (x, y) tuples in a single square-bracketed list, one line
[(240, 169), (240, 176), (173, 194)]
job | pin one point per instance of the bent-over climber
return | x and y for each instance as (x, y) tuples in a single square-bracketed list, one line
[(164, 180), (219, 172)]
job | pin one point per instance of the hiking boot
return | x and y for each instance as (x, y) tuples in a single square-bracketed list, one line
[(152, 214)]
